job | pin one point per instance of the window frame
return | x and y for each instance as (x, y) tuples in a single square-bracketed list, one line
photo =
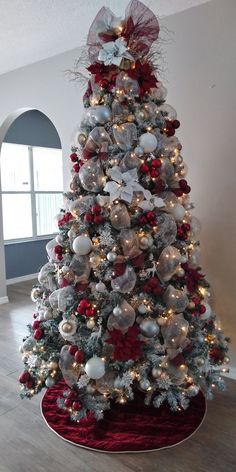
[(32, 192)]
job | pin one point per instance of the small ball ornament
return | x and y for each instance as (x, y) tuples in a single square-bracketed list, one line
[(144, 384), (148, 142), (90, 324), (149, 328), (207, 312), (142, 309), (111, 256), (82, 138), (156, 372), (82, 245), (117, 311), (49, 382), (144, 242), (95, 260), (53, 365), (193, 390), (100, 287), (95, 368), (178, 212)]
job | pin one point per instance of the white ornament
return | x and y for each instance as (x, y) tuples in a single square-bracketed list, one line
[(207, 313), (148, 142), (142, 309), (178, 212), (117, 311), (82, 245), (100, 287), (95, 368), (111, 256)]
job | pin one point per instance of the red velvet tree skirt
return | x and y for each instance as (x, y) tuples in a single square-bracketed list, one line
[(132, 427)]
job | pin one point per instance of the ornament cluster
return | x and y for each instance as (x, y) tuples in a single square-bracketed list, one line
[(122, 304)]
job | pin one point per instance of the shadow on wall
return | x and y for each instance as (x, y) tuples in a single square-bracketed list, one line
[(26, 126)]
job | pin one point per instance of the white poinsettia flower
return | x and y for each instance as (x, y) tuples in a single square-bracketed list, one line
[(151, 202), (123, 185), (113, 52)]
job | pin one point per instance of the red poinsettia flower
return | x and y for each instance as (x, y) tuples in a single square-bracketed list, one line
[(126, 346), (100, 70), (192, 277), (143, 73)]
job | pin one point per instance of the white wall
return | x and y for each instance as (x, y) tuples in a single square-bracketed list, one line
[(201, 78)]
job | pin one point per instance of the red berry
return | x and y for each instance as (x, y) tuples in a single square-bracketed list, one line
[(176, 124), (186, 227), (144, 168), (178, 192), (201, 309), (103, 83), (36, 324), (74, 157), (154, 173), (59, 257), (88, 217), (96, 209), (76, 167), (183, 183), (72, 395), (156, 163), (157, 291), (76, 406), (30, 383), (84, 303), (196, 300), (90, 311), (79, 356), (150, 215), (68, 402), (38, 334), (58, 249), (153, 282), (187, 189), (25, 376), (98, 219), (72, 349), (180, 232)]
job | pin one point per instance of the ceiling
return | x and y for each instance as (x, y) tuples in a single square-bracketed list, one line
[(32, 30)]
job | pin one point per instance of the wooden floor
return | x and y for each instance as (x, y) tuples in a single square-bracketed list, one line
[(26, 443)]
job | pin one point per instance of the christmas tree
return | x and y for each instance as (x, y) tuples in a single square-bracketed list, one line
[(122, 304)]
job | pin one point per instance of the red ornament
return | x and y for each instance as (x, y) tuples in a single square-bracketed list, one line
[(25, 376), (90, 311), (156, 163), (79, 356), (74, 157), (98, 219), (68, 402), (88, 217), (183, 183), (76, 167), (176, 124), (187, 189), (201, 309), (217, 355), (36, 324), (38, 334), (58, 249), (72, 349), (144, 168), (72, 395), (76, 406), (96, 209)]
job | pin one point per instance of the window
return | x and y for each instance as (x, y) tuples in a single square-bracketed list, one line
[(31, 179)]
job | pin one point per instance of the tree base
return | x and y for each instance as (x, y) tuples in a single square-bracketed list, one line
[(132, 427)]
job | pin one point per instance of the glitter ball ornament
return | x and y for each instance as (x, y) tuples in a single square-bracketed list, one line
[(82, 245), (111, 256), (100, 287), (95, 368), (148, 142)]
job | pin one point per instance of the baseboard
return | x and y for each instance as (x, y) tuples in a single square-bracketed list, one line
[(3, 300), (23, 278)]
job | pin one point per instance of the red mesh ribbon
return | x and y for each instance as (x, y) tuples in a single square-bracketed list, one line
[(141, 29)]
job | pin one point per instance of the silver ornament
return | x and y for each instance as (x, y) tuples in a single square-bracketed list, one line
[(100, 287), (149, 328), (100, 114), (111, 256), (142, 309), (49, 382), (144, 384), (117, 311), (156, 372)]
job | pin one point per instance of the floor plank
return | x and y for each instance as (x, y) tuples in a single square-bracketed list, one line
[(27, 444)]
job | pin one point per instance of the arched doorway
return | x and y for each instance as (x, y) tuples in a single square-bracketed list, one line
[(30, 151)]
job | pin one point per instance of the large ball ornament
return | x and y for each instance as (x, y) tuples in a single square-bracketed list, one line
[(82, 245), (178, 212), (49, 382), (100, 114), (149, 328), (207, 313), (148, 142), (95, 368)]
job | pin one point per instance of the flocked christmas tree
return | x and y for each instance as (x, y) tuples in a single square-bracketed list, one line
[(122, 305)]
